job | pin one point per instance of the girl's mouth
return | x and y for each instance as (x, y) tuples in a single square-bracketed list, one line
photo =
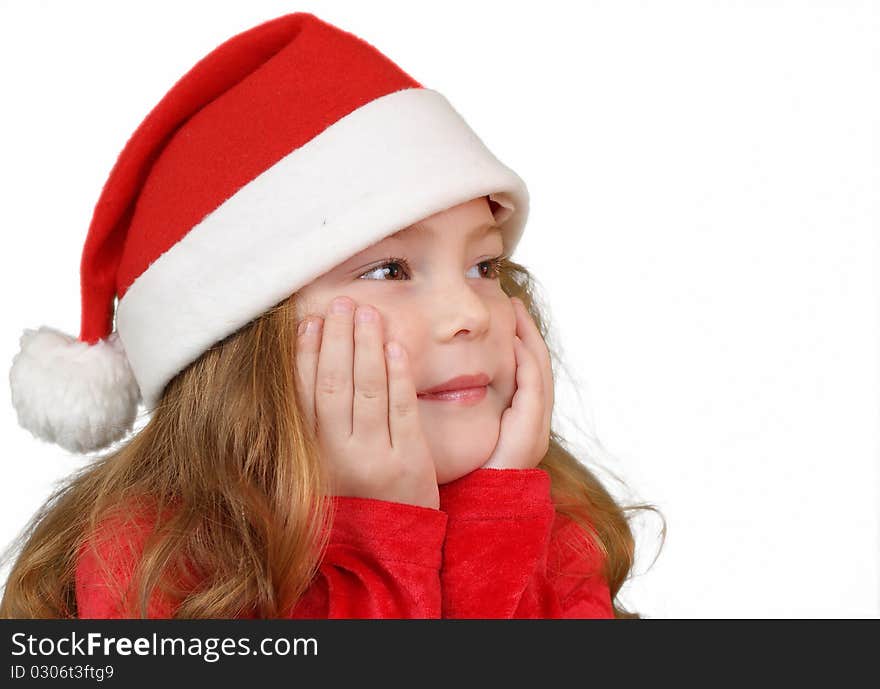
[(467, 396)]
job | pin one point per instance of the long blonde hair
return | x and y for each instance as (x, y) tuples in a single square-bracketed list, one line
[(239, 532)]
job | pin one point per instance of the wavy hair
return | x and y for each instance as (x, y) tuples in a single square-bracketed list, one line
[(231, 473)]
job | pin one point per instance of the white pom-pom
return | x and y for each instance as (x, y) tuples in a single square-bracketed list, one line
[(79, 396)]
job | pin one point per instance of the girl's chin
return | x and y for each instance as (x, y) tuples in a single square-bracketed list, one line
[(452, 463), (450, 474)]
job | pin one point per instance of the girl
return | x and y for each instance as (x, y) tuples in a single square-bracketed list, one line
[(308, 253)]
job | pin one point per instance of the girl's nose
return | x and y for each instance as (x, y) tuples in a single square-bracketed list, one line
[(458, 309)]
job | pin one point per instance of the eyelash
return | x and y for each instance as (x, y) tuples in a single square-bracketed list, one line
[(495, 265)]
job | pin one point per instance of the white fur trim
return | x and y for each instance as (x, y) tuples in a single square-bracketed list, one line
[(388, 164), (67, 392)]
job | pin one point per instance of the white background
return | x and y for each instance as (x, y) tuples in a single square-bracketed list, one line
[(704, 221)]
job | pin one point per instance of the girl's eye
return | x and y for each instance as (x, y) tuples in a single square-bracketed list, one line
[(392, 266), (394, 263), (492, 268)]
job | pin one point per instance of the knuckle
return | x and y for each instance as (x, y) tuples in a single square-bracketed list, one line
[(403, 408), (330, 384), (369, 393)]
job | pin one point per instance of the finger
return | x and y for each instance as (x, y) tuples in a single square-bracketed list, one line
[(333, 383), (528, 401), (531, 337), (370, 412), (528, 374), (403, 402), (307, 347), (520, 424)]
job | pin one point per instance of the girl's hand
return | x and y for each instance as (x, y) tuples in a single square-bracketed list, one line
[(525, 425), (366, 421)]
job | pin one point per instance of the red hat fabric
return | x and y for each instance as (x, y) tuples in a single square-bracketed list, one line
[(284, 151)]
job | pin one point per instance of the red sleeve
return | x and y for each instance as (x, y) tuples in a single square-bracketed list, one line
[(382, 561), (574, 566), (509, 555)]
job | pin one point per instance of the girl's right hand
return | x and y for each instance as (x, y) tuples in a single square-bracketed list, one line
[(366, 421)]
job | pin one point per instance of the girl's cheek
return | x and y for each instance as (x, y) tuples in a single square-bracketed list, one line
[(506, 373), (504, 346), (395, 328), (510, 319)]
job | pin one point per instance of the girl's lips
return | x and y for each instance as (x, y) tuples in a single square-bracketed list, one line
[(466, 396)]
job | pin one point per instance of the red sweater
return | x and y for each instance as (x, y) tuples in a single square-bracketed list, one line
[(496, 548)]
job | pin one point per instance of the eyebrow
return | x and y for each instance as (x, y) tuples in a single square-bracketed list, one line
[(477, 232)]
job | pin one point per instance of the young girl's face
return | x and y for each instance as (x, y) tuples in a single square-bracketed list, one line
[(439, 297)]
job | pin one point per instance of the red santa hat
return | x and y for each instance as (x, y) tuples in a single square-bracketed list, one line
[(284, 151)]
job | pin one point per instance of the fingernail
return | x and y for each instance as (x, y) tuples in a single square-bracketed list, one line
[(341, 305), (303, 324)]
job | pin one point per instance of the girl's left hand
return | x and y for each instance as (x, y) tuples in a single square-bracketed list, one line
[(525, 425)]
